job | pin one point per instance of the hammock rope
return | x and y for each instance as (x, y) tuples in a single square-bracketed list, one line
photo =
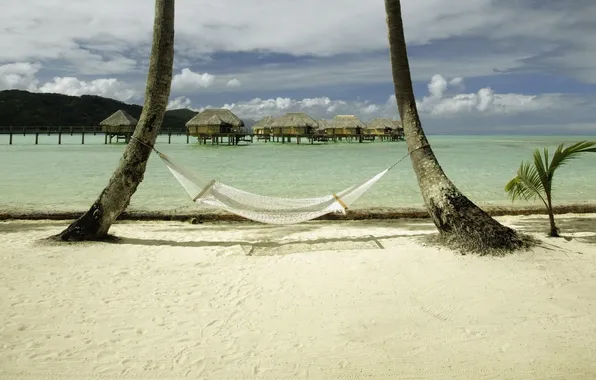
[(267, 209)]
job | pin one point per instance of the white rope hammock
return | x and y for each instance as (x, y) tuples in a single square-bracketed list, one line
[(266, 209)]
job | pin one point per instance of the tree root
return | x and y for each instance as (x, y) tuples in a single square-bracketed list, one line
[(465, 244), (85, 228), (466, 228)]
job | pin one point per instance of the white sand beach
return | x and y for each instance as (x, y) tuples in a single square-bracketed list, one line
[(321, 300)]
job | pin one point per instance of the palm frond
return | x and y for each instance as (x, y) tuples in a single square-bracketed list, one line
[(564, 155), (546, 163), (561, 156), (541, 167), (527, 184), (517, 190)]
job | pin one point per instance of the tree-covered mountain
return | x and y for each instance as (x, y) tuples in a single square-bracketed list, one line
[(23, 108)]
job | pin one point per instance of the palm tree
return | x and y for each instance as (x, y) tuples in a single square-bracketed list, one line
[(115, 197), (460, 222), (536, 181)]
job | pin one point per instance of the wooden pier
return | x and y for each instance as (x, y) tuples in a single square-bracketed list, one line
[(59, 131), (78, 130), (232, 139)]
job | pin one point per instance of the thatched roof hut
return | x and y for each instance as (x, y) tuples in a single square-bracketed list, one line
[(345, 125), (381, 124), (294, 119), (215, 116), (214, 120), (263, 126), (294, 123), (324, 124), (348, 122), (119, 122)]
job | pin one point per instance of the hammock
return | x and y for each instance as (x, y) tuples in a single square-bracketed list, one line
[(265, 209)]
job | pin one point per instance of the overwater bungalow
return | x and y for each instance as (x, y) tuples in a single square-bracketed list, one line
[(263, 126), (323, 126), (345, 126), (380, 126), (119, 124), (294, 124), (214, 121)]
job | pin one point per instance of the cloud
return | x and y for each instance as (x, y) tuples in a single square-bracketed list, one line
[(22, 76), (19, 76), (440, 102), (437, 86), (445, 107), (444, 102), (180, 102), (457, 82), (357, 70), (92, 39), (107, 87), (319, 107), (188, 81), (234, 83)]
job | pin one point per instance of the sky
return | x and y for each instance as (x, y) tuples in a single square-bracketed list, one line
[(478, 66)]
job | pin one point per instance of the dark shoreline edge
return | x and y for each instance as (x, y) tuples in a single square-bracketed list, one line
[(357, 214)]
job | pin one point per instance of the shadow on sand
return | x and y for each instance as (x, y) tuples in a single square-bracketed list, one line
[(267, 248), (567, 227)]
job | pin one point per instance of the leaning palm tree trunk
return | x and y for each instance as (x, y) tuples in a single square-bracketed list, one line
[(114, 199), (460, 222)]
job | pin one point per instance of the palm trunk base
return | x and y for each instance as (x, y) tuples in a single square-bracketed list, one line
[(87, 227), (554, 231), (465, 227)]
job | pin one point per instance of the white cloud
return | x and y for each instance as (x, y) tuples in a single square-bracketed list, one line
[(94, 39), (180, 102), (437, 86), (443, 100), (23, 76), (188, 81), (320, 107), (457, 81), (359, 70), (484, 101), (234, 83), (19, 76), (106, 87)]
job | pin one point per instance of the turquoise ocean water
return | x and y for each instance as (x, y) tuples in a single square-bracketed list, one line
[(50, 177)]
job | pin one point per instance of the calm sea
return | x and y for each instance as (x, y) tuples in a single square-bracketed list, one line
[(69, 177)]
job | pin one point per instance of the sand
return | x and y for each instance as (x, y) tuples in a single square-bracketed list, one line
[(322, 300)]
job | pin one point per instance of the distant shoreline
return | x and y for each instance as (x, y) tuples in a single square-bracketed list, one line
[(356, 214)]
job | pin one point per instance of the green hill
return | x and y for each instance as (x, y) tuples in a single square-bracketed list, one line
[(23, 108)]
